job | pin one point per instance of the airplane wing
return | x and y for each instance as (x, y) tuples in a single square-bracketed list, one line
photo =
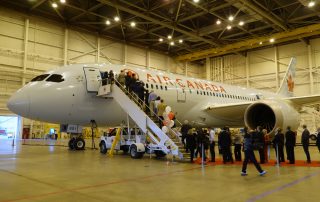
[(304, 99), (228, 111)]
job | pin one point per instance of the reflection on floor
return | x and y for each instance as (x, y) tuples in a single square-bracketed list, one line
[(43, 173)]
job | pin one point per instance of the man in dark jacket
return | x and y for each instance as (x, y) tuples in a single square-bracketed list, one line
[(305, 142), (318, 139), (191, 143), (249, 154), (258, 139), (225, 143), (278, 144), (290, 144), (184, 131)]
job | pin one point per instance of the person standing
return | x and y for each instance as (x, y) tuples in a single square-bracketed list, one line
[(266, 145), (318, 139), (225, 143), (111, 77), (212, 134), (161, 109), (305, 142), (237, 146), (128, 79), (121, 78), (258, 139), (290, 144), (184, 131), (278, 144), (152, 97), (191, 143), (249, 154)]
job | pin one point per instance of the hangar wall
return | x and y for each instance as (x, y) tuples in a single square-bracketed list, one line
[(31, 45), (265, 68)]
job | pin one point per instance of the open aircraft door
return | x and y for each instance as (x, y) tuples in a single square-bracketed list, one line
[(93, 78), (181, 94)]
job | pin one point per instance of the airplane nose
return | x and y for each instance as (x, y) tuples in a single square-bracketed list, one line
[(19, 103)]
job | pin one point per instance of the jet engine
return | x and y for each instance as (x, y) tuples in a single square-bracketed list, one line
[(271, 114)]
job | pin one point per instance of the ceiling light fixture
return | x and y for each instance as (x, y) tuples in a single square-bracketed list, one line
[(271, 40), (180, 41), (218, 22), (260, 42), (160, 39), (108, 22), (229, 27), (241, 23), (196, 1), (311, 4), (116, 18), (132, 24), (169, 37), (230, 18), (172, 43), (62, 1), (54, 5)]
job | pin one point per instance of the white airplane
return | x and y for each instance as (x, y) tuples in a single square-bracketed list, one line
[(68, 96)]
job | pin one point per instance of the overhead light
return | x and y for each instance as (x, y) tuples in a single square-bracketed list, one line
[(230, 18), (160, 39), (54, 5), (260, 42), (311, 4), (116, 18), (108, 22), (229, 27), (196, 1), (62, 1), (132, 24), (271, 40), (172, 43), (241, 23), (218, 22), (169, 37), (180, 41)]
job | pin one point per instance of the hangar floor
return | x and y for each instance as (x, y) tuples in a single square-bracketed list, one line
[(48, 173)]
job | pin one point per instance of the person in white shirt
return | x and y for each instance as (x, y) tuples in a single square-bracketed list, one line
[(212, 134)]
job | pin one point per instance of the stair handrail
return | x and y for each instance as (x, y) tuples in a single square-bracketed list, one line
[(137, 99)]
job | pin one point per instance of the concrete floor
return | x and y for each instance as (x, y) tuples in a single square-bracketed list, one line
[(53, 173)]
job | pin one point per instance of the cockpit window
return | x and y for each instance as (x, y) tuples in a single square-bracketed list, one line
[(55, 78), (40, 77)]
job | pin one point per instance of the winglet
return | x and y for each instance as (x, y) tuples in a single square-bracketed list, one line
[(287, 84)]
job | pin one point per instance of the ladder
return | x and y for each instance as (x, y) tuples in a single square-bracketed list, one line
[(169, 144)]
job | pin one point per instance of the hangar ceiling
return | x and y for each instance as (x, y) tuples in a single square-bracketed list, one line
[(193, 24)]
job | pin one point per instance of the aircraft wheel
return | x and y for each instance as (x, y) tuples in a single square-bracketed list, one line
[(79, 144), (159, 153), (134, 152), (103, 148), (71, 144)]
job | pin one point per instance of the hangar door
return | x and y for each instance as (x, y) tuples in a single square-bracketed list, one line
[(93, 78)]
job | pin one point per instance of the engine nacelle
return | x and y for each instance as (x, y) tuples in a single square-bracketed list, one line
[(271, 114)]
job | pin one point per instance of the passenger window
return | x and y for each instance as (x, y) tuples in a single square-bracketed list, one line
[(161, 88), (183, 90), (200, 92), (165, 88), (213, 94), (190, 91), (197, 92), (157, 87), (210, 94), (207, 93), (55, 78), (40, 77), (147, 85), (152, 86)]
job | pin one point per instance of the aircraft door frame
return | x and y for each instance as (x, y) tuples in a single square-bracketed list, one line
[(93, 78), (181, 94)]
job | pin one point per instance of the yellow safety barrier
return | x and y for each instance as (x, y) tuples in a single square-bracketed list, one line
[(115, 141)]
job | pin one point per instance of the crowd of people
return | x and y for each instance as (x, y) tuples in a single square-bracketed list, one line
[(196, 140)]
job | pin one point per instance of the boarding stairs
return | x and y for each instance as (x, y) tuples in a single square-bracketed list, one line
[(169, 144)]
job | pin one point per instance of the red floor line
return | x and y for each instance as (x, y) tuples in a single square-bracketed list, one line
[(100, 185)]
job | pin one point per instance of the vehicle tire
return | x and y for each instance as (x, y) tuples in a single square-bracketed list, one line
[(103, 148), (313, 137), (79, 144), (159, 153), (134, 152), (71, 144)]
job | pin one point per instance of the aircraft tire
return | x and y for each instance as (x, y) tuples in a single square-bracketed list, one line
[(159, 153), (71, 144), (103, 148), (79, 144), (134, 152)]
